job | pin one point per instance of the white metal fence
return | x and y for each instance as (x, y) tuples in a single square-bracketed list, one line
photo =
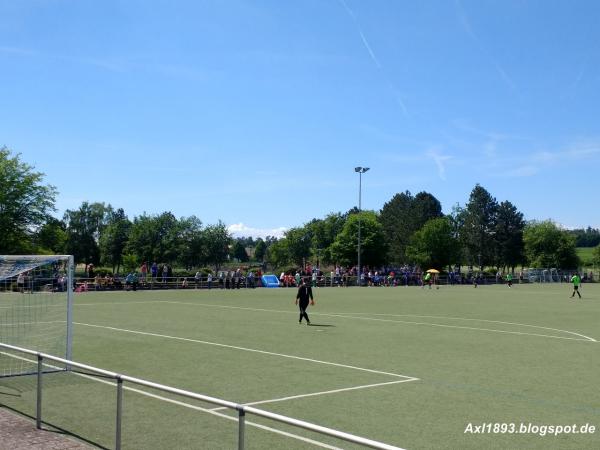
[(242, 410)]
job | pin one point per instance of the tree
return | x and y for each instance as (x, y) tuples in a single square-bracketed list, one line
[(373, 246), (434, 245), (509, 236), (260, 250), (548, 246), (402, 216), (216, 240), (154, 238), (278, 254), (51, 237), (479, 227), (590, 237), (299, 244), (190, 240), (25, 203), (323, 233), (239, 252), (596, 256), (397, 225), (456, 218), (84, 227), (424, 208), (113, 239)]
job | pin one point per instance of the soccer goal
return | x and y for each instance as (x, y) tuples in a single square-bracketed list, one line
[(36, 305)]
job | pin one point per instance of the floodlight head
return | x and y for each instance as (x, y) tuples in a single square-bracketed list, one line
[(357, 169), (365, 169)]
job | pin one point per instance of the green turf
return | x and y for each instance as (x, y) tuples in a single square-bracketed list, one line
[(539, 366)]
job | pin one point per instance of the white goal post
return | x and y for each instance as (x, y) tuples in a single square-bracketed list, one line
[(36, 308)]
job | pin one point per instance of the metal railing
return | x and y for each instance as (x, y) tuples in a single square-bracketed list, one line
[(241, 409)]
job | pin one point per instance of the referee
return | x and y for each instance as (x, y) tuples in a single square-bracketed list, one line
[(304, 294)]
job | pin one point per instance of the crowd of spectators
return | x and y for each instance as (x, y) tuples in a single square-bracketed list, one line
[(155, 276)]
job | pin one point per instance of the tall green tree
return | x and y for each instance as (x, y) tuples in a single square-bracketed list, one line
[(479, 227), (397, 225), (51, 237), (239, 252), (155, 238), (260, 250), (402, 216), (548, 246), (323, 233), (113, 239), (299, 244), (25, 203), (509, 236), (190, 241), (216, 244), (434, 245), (373, 246), (278, 254), (84, 227)]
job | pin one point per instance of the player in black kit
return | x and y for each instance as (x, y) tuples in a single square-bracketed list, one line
[(304, 294)]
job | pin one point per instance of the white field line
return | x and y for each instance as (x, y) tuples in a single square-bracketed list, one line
[(187, 405), (282, 355), (353, 316), (521, 333), (314, 394), (479, 320)]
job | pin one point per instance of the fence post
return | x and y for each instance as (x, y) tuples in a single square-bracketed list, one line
[(241, 427), (38, 409), (119, 413)]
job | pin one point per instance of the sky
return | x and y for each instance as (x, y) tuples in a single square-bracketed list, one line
[(255, 113)]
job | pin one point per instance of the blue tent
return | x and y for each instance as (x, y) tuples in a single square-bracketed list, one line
[(270, 281)]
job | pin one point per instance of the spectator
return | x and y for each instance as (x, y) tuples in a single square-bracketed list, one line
[(144, 273), (154, 271)]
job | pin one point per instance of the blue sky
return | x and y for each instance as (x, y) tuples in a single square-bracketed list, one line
[(256, 112)]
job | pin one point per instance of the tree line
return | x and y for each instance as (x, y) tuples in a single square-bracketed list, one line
[(408, 229)]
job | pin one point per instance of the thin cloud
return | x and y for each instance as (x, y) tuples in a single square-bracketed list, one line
[(440, 161), (17, 51), (369, 49), (362, 35), (373, 56), (523, 171), (466, 24), (571, 90)]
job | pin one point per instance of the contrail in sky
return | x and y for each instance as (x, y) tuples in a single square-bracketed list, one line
[(362, 35), (464, 20), (374, 58)]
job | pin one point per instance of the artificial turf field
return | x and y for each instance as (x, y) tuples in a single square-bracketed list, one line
[(406, 366)]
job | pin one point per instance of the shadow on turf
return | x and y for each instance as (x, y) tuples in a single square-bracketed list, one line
[(320, 325)]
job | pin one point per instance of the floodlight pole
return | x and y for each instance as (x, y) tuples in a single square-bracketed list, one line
[(360, 171)]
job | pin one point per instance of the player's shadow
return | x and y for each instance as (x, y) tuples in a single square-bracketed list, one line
[(320, 325)]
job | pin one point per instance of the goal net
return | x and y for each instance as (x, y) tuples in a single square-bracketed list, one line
[(543, 275), (35, 309)]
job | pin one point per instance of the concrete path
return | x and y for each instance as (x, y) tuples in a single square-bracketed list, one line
[(19, 433)]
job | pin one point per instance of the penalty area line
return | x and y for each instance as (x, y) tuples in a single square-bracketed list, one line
[(235, 347), (314, 394)]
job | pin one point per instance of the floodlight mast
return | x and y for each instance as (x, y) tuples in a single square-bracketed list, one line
[(360, 171)]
